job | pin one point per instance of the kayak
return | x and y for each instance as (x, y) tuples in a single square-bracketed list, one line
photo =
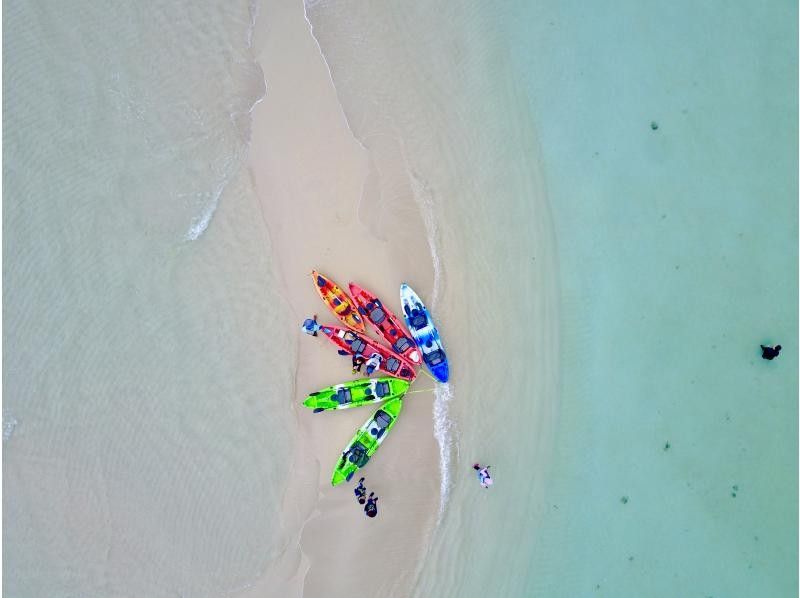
[(386, 323), (338, 302), (350, 343), (356, 393), (366, 441), (424, 332)]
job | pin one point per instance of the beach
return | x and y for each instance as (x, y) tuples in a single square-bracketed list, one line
[(312, 178), (597, 204)]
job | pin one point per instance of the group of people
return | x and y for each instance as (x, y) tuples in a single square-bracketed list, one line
[(370, 502), (373, 363), (310, 326)]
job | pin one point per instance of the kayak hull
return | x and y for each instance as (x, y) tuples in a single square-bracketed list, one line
[(351, 342), (338, 302), (355, 393), (367, 440), (425, 333), (386, 324)]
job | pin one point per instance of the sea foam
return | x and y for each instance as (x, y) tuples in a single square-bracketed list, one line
[(444, 427), (233, 163)]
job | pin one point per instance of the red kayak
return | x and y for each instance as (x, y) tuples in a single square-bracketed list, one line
[(350, 343), (385, 323)]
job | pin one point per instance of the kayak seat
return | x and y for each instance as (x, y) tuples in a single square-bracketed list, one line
[(358, 455), (392, 364), (435, 357), (382, 389), (419, 321), (358, 346), (336, 301), (343, 396), (382, 419), (401, 344), (377, 315)]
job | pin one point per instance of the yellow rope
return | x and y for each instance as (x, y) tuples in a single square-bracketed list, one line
[(428, 375), (413, 392)]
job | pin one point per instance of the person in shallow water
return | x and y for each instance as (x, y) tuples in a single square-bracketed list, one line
[(361, 492), (358, 361), (483, 475), (373, 363), (770, 353), (371, 508), (310, 326)]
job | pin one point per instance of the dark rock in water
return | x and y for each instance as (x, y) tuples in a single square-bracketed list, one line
[(667, 446), (654, 125), (624, 500)]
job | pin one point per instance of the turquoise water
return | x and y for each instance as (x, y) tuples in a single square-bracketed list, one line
[(677, 252), (685, 261), (143, 341), (640, 445)]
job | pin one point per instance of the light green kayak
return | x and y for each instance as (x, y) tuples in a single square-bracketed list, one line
[(366, 441), (356, 393)]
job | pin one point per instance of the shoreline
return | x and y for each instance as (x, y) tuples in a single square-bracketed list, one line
[(312, 174)]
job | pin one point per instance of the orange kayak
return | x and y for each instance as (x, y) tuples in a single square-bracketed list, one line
[(338, 301)]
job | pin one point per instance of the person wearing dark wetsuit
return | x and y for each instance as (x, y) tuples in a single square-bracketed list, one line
[(358, 361), (770, 353), (360, 492), (371, 508)]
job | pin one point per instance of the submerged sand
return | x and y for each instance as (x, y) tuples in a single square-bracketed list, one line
[(317, 189)]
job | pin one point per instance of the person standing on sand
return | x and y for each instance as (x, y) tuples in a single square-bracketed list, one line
[(360, 492), (373, 363), (358, 361), (770, 353), (310, 326), (371, 508)]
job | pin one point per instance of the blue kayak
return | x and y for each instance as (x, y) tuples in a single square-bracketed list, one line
[(424, 332)]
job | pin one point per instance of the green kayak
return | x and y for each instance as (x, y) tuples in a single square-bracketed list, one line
[(366, 441), (356, 393)]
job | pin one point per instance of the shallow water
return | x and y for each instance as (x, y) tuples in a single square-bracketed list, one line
[(672, 147), (143, 377), (601, 288), (663, 139)]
